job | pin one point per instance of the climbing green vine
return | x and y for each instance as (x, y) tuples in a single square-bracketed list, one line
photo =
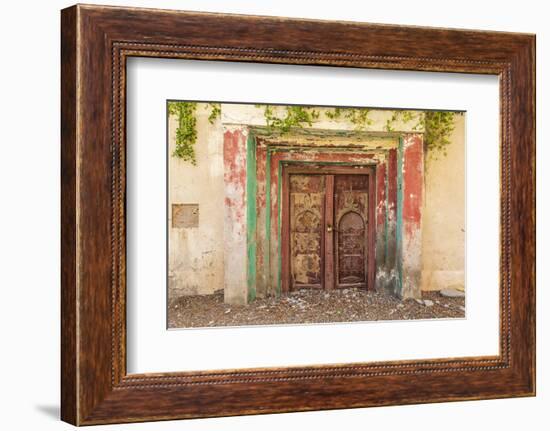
[(215, 113), (404, 116), (437, 125), (186, 132), (294, 117), (357, 116)]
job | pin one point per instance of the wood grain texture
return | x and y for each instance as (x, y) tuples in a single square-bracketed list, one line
[(69, 397), (96, 41)]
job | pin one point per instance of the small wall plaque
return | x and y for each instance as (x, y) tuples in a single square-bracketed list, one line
[(185, 215)]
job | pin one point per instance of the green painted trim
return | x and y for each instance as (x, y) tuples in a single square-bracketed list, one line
[(251, 221), (399, 217), (386, 214), (279, 225), (308, 133), (359, 150), (267, 250), (251, 208), (301, 162)]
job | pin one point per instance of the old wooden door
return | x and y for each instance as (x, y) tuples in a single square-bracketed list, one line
[(351, 201), (327, 237), (307, 199)]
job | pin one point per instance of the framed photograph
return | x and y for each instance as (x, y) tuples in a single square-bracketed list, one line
[(267, 215)]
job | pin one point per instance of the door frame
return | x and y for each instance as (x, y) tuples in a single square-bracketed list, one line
[(328, 277)]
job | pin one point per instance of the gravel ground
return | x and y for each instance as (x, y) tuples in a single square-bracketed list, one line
[(309, 306)]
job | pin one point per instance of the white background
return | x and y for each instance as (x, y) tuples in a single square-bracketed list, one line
[(151, 348), (29, 220)]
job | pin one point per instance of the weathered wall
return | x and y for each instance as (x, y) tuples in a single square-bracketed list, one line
[(443, 230), (410, 232), (235, 216), (196, 257), (236, 213)]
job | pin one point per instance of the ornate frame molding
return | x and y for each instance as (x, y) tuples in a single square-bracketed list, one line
[(96, 41)]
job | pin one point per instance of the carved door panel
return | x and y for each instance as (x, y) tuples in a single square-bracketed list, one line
[(307, 199), (351, 194), (327, 231)]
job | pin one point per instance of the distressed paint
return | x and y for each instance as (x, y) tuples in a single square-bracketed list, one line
[(279, 226), (275, 158), (253, 116), (399, 222), (273, 223), (356, 141), (391, 270), (251, 216), (262, 240), (412, 181), (235, 232), (380, 224), (264, 172), (351, 219), (196, 254), (225, 146), (386, 214), (306, 206), (267, 251), (412, 195)]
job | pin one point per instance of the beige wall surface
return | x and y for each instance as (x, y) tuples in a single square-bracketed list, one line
[(443, 222), (196, 253), (196, 256)]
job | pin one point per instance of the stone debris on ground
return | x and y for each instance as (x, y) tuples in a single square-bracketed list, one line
[(452, 293), (311, 306)]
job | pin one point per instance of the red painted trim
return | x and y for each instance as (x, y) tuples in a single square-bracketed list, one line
[(329, 262), (413, 158), (380, 195), (371, 260), (285, 233), (234, 158)]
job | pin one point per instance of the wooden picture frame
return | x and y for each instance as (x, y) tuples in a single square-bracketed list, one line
[(95, 43)]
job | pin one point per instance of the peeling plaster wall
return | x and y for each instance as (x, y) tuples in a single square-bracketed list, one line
[(196, 255), (216, 255), (234, 211), (444, 228), (390, 273), (252, 116), (411, 234)]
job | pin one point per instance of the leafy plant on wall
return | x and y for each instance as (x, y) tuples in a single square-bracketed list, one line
[(186, 132), (357, 116), (437, 125), (294, 117)]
